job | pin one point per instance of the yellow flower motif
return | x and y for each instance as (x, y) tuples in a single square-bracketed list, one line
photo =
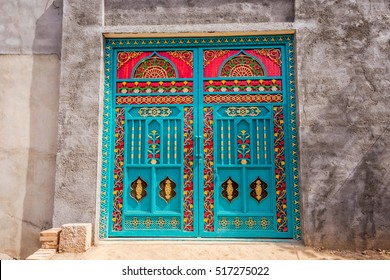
[(136, 83), (185, 82), (223, 82), (173, 82), (148, 83), (261, 82), (236, 81), (248, 81), (124, 84), (273, 81), (210, 82), (160, 83)]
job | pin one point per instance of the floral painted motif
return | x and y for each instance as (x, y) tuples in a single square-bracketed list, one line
[(242, 85), (242, 65), (243, 150), (155, 67), (153, 147), (186, 56), (188, 169), (127, 100), (238, 98), (273, 54), (210, 55), (124, 57), (280, 174), (208, 171), (118, 170), (155, 87)]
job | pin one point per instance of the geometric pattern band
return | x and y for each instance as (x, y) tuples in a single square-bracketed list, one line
[(243, 98), (125, 100)]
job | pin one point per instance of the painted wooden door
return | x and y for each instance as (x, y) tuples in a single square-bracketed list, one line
[(199, 146)]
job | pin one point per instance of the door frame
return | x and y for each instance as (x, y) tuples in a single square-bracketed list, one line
[(199, 40)]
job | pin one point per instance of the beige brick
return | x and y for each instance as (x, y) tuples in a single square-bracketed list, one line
[(75, 238), (49, 239), (50, 242), (51, 232), (49, 246), (43, 254)]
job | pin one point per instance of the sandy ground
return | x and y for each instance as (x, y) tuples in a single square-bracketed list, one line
[(194, 250)]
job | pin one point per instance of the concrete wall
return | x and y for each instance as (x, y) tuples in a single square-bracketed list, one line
[(344, 94), (78, 146), (30, 26), (160, 12), (30, 41)]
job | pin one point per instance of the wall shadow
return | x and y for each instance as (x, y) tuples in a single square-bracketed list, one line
[(43, 104)]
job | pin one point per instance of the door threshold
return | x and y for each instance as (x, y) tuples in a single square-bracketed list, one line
[(196, 240)]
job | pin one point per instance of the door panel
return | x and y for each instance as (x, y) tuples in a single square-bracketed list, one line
[(241, 88), (199, 146)]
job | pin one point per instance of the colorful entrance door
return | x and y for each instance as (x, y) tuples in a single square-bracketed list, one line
[(201, 138)]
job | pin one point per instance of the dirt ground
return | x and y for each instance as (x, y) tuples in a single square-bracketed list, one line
[(187, 250)]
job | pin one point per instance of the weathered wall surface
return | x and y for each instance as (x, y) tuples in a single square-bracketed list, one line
[(28, 141), (344, 94), (76, 175), (160, 12), (30, 42), (30, 26)]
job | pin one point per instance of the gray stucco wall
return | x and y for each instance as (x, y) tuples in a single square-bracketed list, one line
[(30, 41), (30, 26), (159, 12), (343, 90), (78, 140)]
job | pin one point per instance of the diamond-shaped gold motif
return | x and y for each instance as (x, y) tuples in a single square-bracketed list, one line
[(264, 223), (174, 222), (148, 222), (134, 222), (224, 223), (237, 222), (250, 222), (160, 222)]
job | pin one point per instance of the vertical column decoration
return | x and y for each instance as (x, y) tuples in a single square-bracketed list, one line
[(208, 171), (188, 169), (280, 174), (118, 170)]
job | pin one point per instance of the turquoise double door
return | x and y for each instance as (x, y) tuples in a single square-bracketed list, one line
[(200, 143)]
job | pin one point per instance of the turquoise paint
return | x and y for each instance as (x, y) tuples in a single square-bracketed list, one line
[(243, 174)]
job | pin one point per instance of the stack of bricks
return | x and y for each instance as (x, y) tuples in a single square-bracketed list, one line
[(50, 238), (50, 242)]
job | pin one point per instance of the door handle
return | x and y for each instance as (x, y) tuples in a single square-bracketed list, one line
[(198, 153)]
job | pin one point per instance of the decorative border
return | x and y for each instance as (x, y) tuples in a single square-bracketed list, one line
[(186, 56), (107, 98), (118, 170), (151, 223), (242, 85), (241, 98), (111, 43), (293, 137), (188, 169), (280, 173), (246, 223), (208, 171), (199, 42), (127, 100)]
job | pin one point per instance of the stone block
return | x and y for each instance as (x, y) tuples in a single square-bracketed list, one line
[(75, 238)]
